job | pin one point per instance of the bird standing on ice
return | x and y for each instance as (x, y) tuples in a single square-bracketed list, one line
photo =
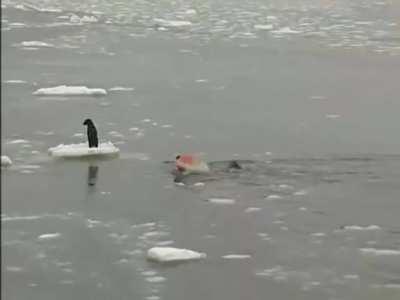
[(91, 133)]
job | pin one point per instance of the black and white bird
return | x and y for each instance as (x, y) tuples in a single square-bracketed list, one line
[(91, 133)]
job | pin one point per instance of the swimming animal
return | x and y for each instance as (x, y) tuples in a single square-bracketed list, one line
[(189, 166), (188, 163), (91, 133)]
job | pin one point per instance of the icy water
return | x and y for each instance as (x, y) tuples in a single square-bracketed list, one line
[(304, 94)]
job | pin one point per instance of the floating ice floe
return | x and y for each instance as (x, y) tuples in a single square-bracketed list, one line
[(82, 149), (170, 254), (221, 201), (360, 228), (16, 81), (84, 19), (5, 161), (36, 44), (378, 252), (121, 89), (18, 141), (64, 90), (264, 26), (236, 256), (171, 23), (49, 236)]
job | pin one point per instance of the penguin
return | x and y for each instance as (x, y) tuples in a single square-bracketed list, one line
[(91, 133)]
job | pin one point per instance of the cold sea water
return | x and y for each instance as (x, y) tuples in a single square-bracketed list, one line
[(303, 93)]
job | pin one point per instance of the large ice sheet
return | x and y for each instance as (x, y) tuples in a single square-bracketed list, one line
[(82, 149), (170, 254), (64, 90)]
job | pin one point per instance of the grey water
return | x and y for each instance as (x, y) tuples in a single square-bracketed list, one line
[(303, 93)]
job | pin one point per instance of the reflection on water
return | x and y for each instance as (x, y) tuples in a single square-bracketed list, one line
[(93, 171)]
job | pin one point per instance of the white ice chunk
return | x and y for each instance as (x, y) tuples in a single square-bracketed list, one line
[(19, 141), (357, 227), (70, 91), (5, 161), (49, 236), (171, 23), (236, 256), (169, 254), (121, 89), (36, 44), (15, 81), (82, 149)]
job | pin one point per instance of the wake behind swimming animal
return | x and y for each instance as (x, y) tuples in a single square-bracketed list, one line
[(91, 133)]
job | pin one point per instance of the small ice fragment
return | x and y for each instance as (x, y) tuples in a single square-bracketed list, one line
[(19, 141), (357, 227), (252, 209), (36, 44), (49, 236), (201, 80), (121, 89), (169, 254), (161, 23), (166, 126), (263, 26), (332, 116), (78, 135), (285, 30), (274, 197), (378, 252), (300, 193), (5, 161), (318, 234), (13, 269), (156, 279), (146, 120), (153, 298), (199, 184), (236, 256), (89, 19), (190, 12), (303, 208), (15, 81), (134, 129), (70, 91), (221, 201)]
